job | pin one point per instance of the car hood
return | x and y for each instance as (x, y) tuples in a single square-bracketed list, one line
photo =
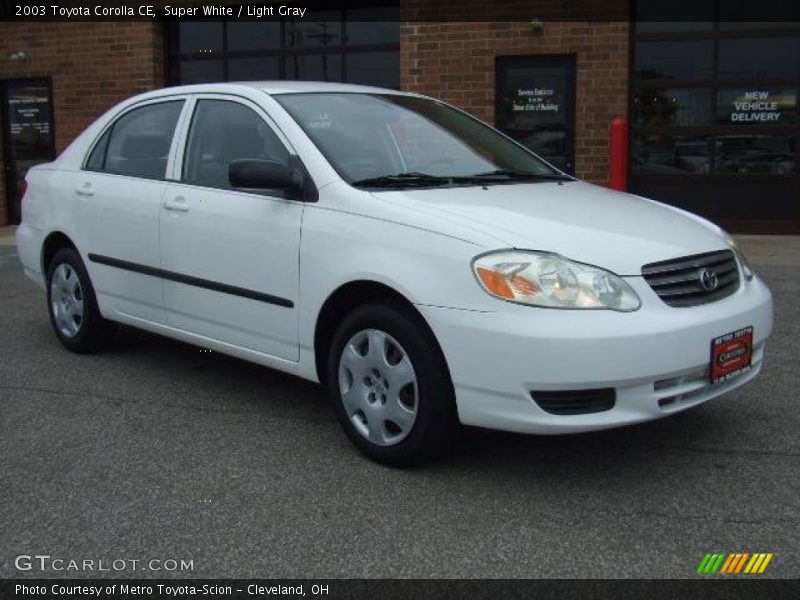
[(584, 222)]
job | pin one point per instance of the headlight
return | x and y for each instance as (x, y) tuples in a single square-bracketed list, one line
[(551, 281), (746, 268)]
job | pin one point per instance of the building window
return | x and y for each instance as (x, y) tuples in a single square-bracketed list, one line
[(358, 45), (714, 96), (682, 59)]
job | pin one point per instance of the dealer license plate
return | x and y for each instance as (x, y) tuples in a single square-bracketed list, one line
[(731, 354)]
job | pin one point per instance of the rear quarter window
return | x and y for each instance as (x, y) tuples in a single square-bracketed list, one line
[(97, 158)]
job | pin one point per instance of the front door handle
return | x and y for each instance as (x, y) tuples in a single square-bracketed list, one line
[(178, 204), (85, 189)]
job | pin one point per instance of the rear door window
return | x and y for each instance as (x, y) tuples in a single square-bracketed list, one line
[(138, 143)]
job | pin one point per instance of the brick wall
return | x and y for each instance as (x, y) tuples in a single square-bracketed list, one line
[(93, 66), (455, 61)]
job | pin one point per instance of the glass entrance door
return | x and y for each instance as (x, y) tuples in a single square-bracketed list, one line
[(27, 111), (535, 105)]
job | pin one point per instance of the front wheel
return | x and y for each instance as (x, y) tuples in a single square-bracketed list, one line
[(390, 386), (72, 305)]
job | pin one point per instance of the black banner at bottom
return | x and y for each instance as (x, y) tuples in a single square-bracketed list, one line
[(434, 589)]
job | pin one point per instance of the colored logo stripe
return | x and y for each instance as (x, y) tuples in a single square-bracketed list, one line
[(727, 564), (758, 563), (710, 563), (737, 562), (734, 563)]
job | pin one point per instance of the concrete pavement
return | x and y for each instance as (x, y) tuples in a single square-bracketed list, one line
[(777, 250), (7, 235)]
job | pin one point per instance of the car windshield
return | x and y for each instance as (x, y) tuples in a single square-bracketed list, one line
[(380, 140)]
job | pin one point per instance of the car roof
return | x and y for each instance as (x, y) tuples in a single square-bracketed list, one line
[(289, 87), (283, 87)]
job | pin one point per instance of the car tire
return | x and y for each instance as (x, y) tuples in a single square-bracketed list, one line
[(72, 305), (390, 386)]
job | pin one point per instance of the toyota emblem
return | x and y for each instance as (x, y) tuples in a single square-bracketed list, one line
[(708, 279)]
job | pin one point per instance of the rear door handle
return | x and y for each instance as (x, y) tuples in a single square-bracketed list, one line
[(85, 189), (178, 204)]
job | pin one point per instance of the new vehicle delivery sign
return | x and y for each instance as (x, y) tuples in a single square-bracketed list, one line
[(760, 106)]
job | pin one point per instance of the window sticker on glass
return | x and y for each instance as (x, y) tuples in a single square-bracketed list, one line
[(757, 106), (320, 121)]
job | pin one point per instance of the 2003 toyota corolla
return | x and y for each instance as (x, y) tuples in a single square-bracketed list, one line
[(427, 268)]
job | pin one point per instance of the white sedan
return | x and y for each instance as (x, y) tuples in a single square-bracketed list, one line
[(425, 267)]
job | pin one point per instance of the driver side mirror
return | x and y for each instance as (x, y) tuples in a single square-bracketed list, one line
[(258, 174)]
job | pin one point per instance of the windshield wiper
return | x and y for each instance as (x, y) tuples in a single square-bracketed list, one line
[(403, 179), (415, 178), (510, 175)]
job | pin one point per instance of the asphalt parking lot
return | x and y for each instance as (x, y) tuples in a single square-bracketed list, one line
[(158, 450)]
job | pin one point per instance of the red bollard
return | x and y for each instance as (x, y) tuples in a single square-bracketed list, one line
[(618, 154)]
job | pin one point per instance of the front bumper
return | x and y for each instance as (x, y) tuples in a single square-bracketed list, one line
[(656, 358)]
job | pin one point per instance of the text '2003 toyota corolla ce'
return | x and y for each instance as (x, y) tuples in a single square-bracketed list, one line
[(428, 269)]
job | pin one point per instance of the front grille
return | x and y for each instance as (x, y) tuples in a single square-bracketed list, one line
[(575, 402), (678, 281)]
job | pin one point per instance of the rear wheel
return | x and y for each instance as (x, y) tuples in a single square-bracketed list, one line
[(390, 386), (72, 305)]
